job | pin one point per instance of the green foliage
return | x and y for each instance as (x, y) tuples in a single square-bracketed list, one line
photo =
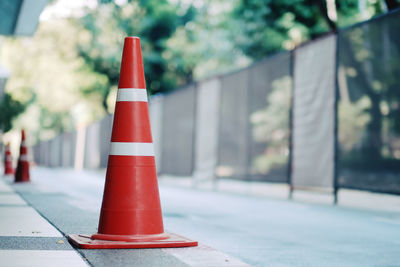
[(263, 27), (205, 44), (268, 26), (154, 22), (9, 109), (69, 70), (48, 74)]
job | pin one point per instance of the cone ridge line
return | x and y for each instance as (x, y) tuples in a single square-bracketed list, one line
[(132, 94), (131, 149)]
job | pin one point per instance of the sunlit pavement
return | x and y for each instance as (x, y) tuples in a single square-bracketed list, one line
[(259, 231)]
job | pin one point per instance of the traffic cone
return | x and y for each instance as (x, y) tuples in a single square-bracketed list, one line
[(131, 211), (8, 168), (22, 171)]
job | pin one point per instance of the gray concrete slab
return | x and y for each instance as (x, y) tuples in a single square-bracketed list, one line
[(4, 187), (24, 221), (132, 257), (34, 243), (205, 256), (11, 199), (40, 258), (57, 208)]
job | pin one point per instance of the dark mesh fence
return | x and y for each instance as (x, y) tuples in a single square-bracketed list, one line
[(237, 125), (36, 154), (268, 116), (46, 152), (104, 139), (178, 132), (233, 132), (369, 105), (156, 111), (313, 132), (55, 151), (68, 149), (92, 146), (206, 141), (254, 121)]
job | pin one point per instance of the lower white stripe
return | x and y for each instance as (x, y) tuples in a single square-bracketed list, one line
[(131, 94), (131, 149)]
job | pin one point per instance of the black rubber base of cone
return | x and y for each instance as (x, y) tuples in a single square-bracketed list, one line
[(174, 241)]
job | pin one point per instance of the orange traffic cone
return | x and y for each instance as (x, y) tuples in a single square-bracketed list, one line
[(131, 212), (22, 171), (8, 168)]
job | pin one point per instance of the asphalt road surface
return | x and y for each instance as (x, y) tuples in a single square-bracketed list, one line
[(259, 231)]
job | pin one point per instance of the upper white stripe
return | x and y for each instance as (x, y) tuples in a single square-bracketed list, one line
[(131, 149), (131, 94)]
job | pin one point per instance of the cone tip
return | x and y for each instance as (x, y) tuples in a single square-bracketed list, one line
[(132, 38), (132, 74)]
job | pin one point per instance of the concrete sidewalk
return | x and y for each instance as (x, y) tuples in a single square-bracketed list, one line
[(35, 223), (257, 230), (28, 239)]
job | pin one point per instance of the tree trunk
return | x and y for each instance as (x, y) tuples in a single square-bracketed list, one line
[(392, 4)]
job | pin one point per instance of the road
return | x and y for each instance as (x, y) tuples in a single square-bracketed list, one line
[(259, 231)]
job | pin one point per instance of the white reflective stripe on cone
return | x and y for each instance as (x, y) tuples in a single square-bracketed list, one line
[(131, 149), (131, 94), (9, 158), (23, 143), (23, 158)]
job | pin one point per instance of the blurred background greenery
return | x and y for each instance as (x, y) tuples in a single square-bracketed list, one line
[(67, 73)]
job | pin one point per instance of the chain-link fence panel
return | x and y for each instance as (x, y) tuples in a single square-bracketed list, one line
[(178, 131), (36, 154), (156, 110), (369, 105), (207, 120), (314, 114), (105, 139), (269, 93), (55, 151), (92, 148), (233, 131), (68, 149), (45, 152)]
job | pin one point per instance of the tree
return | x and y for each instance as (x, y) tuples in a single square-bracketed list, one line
[(268, 26), (392, 4), (9, 109), (47, 76), (154, 22)]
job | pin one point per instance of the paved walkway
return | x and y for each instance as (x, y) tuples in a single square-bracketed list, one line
[(36, 219), (252, 229), (26, 238)]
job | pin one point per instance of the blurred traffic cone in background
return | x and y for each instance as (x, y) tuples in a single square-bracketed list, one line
[(22, 171), (8, 168), (131, 212)]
